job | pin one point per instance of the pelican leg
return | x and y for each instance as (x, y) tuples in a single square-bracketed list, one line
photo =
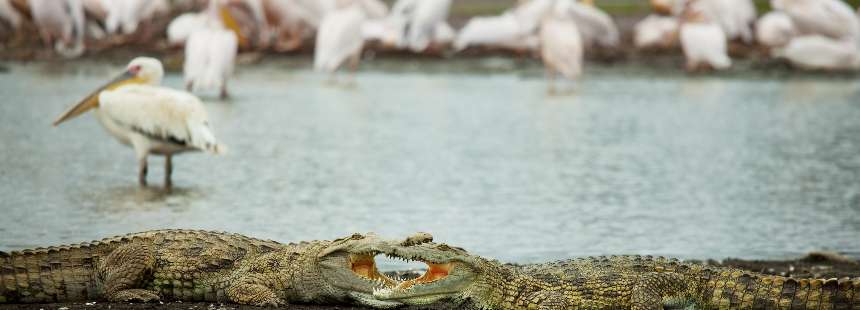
[(550, 74), (224, 93), (141, 149), (141, 176), (168, 170), (353, 68)]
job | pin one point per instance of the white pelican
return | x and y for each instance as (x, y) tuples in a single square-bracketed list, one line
[(340, 34), (656, 31), (423, 22), (388, 31), (503, 31), (181, 27), (561, 44), (61, 23), (831, 18), (596, 27), (735, 17), (775, 29), (126, 16), (817, 52), (210, 52), (291, 22), (515, 29), (531, 13), (339, 38), (9, 14), (150, 118), (703, 42)]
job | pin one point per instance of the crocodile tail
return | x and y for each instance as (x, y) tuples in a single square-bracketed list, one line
[(48, 275), (737, 289), (5, 266)]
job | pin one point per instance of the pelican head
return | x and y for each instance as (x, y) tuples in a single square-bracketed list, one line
[(220, 9), (141, 70)]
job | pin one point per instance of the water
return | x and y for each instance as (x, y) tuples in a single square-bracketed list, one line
[(636, 162)]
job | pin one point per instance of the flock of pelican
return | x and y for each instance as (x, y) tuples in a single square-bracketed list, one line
[(816, 34), (809, 34)]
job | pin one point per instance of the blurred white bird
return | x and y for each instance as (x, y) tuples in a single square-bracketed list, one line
[(596, 27), (126, 15), (339, 38), (775, 29), (342, 34), (817, 52), (735, 17), (152, 119), (515, 29), (503, 31), (61, 24), (9, 14), (388, 31), (210, 52), (561, 45), (181, 27), (291, 22), (423, 22), (830, 18), (531, 13), (656, 31), (703, 42)]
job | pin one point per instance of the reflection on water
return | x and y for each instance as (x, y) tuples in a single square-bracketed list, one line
[(634, 162)]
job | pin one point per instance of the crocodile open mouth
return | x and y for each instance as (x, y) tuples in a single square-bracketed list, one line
[(364, 266), (434, 273)]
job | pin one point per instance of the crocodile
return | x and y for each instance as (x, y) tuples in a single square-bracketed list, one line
[(194, 265), (606, 282)]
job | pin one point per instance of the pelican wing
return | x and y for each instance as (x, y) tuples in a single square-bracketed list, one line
[(160, 113), (594, 25), (495, 31)]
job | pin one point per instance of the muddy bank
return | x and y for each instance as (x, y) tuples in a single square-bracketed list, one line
[(814, 265)]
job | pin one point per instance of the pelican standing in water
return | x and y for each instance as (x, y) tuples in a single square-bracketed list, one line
[(150, 118), (561, 44), (340, 35), (210, 52), (61, 23)]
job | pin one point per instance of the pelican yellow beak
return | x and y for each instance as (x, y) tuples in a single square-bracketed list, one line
[(233, 25), (92, 100)]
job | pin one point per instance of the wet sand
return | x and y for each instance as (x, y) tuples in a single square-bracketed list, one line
[(815, 265)]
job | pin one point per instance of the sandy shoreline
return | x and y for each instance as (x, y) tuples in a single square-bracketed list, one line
[(811, 266)]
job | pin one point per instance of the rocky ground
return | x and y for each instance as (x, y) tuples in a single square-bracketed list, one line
[(814, 265)]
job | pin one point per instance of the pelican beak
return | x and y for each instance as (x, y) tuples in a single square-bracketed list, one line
[(231, 23), (92, 100)]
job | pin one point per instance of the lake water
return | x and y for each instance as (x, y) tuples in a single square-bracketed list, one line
[(473, 151)]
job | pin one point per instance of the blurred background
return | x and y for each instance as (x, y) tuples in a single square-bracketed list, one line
[(640, 145)]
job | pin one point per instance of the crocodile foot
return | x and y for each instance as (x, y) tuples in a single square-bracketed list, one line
[(134, 295)]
